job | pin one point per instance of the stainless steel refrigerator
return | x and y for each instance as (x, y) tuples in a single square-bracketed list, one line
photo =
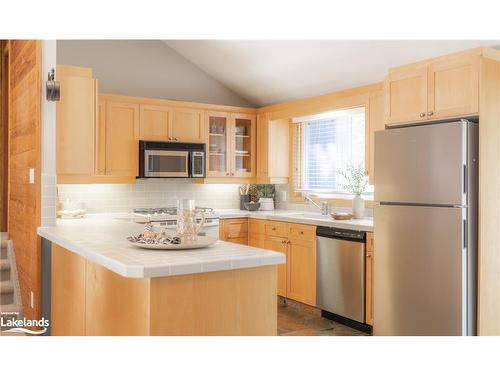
[(425, 225)]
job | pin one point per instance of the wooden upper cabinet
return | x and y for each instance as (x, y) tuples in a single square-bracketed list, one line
[(445, 87), (273, 150), (187, 125), (76, 118), (122, 135), (375, 123), (453, 87), (218, 155), (100, 141), (155, 122), (243, 145), (406, 95)]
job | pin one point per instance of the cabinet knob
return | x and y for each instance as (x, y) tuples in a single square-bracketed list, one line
[(301, 232), (283, 242), (430, 113), (422, 114), (274, 228), (175, 139), (169, 138), (227, 173)]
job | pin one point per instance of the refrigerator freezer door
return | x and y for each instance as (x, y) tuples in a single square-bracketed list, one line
[(419, 282), (421, 164)]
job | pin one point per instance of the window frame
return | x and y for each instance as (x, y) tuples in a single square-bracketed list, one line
[(296, 195)]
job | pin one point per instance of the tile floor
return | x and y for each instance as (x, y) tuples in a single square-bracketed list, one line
[(296, 319)]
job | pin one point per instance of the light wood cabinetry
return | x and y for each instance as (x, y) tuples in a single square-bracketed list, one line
[(122, 139), (88, 299), (155, 122), (301, 263), (375, 123), (76, 118), (440, 88), (234, 230), (369, 279), (231, 144), (187, 125), (453, 87), (406, 95), (280, 245), (256, 236), (273, 153), (296, 278)]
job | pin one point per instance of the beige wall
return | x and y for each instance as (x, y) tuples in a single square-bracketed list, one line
[(147, 68)]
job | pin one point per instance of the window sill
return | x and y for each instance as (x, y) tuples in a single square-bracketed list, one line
[(340, 200)]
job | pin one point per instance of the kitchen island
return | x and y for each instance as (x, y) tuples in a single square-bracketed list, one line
[(103, 285)]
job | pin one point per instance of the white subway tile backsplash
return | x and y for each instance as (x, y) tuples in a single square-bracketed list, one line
[(103, 198)]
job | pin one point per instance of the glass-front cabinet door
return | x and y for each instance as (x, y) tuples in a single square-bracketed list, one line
[(218, 145), (243, 133)]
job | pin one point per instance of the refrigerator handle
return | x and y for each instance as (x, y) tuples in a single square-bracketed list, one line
[(465, 179), (466, 237)]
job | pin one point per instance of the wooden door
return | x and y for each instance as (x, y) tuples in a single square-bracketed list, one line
[(155, 123), (369, 279), (279, 244), (453, 87), (122, 133), (219, 162), (243, 145), (301, 264), (76, 117), (187, 125), (375, 123), (405, 95)]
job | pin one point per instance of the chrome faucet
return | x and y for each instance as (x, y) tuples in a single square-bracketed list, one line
[(325, 207)]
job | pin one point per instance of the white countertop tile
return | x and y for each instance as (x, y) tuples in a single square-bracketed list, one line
[(301, 217), (102, 239)]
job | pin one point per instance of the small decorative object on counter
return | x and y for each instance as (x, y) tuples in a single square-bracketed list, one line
[(187, 224), (244, 195), (342, 216), (252, 206), (355, 183)]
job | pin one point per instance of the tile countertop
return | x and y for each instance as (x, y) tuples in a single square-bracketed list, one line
[(103, 240), (301, 217)]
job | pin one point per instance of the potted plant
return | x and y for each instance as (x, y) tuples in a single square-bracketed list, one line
[(355, 183)]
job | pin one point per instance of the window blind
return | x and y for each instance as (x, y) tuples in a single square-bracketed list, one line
[(325, 145)]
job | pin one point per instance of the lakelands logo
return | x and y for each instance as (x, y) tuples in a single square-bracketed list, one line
[(9, 323)]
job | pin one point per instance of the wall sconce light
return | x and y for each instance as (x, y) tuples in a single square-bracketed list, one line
[(53, 87)]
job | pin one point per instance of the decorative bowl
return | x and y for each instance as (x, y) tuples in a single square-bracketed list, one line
[(252, 206)]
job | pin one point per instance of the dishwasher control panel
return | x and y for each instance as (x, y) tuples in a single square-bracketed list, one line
[(345, 234)]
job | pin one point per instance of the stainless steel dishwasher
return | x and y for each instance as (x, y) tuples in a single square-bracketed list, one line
[(340, 272)]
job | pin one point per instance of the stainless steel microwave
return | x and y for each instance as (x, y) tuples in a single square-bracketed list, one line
[(171, 159)]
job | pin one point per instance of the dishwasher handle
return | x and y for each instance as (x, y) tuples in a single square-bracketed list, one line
[(341, 234)]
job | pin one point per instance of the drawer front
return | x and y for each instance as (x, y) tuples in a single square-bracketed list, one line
[(302, 232), (235, 228), (276, 228), (256, 226)]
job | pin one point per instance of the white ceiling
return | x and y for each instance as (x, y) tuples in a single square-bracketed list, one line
[(268, 72)]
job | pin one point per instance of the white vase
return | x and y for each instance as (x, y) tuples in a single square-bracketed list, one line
[(358, 207)]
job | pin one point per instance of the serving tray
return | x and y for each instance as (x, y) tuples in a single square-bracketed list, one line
[(201, 242)]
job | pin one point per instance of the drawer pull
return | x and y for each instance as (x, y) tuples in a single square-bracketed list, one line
[(301, 232)]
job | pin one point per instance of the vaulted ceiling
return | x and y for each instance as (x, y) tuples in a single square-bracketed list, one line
[(267, 72)]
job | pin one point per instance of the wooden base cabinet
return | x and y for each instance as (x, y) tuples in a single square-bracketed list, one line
[(234, 230), (369, 279), (88, 299), (296, 278)]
